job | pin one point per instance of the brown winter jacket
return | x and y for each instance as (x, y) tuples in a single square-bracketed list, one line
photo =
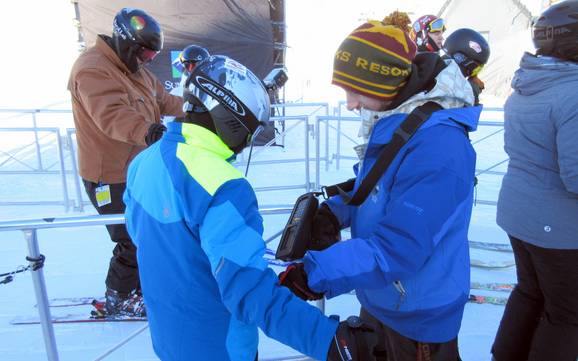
[(113, 110)]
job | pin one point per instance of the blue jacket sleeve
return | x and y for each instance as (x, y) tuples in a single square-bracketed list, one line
[(231, 237), (427, 196), (341, 211)]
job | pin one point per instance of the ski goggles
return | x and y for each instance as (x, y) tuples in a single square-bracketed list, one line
[(189, 66), (436, 26), (145, 54), (472, 68), (477, 70)]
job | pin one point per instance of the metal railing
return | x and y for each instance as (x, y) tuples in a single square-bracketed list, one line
[(61, 166), (310, 130), (78, 202), (33, 113), (30, 229), (316, 108), (305, 160)]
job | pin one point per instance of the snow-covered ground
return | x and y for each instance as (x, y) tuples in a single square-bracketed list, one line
[(77, 258)]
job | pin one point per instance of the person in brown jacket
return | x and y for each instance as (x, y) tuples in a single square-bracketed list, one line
[(117, 105)]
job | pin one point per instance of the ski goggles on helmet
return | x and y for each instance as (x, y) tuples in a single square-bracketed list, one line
[(145, 54), (436, 26), (477, 70), (469, 66)]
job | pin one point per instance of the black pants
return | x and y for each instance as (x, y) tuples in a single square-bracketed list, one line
[(540, 321), (123, 270), (395, 347)]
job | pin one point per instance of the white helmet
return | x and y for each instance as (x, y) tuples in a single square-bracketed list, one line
[(234, 97)]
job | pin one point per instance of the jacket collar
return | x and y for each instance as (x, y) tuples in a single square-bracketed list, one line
[(109, 53), (199, 137)]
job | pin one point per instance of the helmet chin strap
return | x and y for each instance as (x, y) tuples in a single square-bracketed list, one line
[(252, 141)]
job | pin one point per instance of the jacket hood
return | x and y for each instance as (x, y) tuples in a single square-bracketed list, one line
[(447, 87), (537, 73)]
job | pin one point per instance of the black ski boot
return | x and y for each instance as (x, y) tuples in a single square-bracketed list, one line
[(119, 304)]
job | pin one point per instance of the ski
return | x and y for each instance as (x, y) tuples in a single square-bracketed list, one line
[(488, 300), (491, 264), (489, 246), (493, 286), (62, 302), (75, 318), (82, 310), (96, 315)]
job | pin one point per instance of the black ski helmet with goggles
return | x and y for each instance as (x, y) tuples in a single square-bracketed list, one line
[(137, 37), (555, 32), (190, 56), (469, 49), (232, 95)]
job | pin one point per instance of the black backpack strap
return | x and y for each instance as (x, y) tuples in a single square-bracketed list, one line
[(337, 189), (400, 137)]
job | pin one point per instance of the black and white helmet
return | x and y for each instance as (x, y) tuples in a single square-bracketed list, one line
[(555, 32), (234, 97)]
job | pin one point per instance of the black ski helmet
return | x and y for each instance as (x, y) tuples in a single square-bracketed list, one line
[(469, 49), (555, 32), (191, 55), (234, 97), (137, 37)]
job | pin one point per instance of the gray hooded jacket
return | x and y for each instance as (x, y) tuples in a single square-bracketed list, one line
[(538, 200)]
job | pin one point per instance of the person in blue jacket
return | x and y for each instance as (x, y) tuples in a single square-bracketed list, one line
[(195, 221), (408, 258)]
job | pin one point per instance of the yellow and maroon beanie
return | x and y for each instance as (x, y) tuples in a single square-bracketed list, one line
[(374, 60)]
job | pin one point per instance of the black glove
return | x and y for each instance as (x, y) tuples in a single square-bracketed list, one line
[(354, 340), (295, 279), (155, 132), (325, 230)]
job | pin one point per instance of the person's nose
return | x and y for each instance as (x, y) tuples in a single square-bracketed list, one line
[(353, 104)]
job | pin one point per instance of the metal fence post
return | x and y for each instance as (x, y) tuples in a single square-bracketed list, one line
[(327, 160), (36, 142), (317, 151), (75, 174), (62, 171), (307, 175), (327, 145), (320, 304), (41, 297)]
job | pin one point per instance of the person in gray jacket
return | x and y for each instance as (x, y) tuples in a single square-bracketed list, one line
[(538, 202)]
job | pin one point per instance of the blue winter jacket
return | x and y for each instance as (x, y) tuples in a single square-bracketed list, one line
[(412, 230), (198, 232)]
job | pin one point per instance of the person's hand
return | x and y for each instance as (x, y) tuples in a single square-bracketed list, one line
[(354, 340), (477, 82), (325, 230), (295, 278), (155, 132)]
